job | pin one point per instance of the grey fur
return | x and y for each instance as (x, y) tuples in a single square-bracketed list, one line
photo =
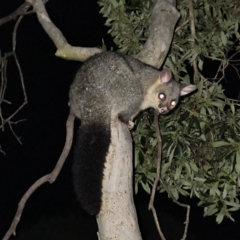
[(111, 81)]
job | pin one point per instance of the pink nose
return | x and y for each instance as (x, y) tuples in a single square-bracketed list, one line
[(163, 110)]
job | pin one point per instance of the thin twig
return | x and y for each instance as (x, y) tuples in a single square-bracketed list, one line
[(159, 158), (51, 177), (19, 11), (223, 72), (14, 41), (22, 10), (193, 34), (182, 25), (15, 135), (3, 77), (182, 58), (234, 56), (236, 69), (158, 178), (181, 205), (2, 150)]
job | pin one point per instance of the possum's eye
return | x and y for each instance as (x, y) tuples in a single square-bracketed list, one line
[(173, 103), (162, 96)]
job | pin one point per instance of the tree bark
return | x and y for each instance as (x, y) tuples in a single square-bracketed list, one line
[(117, 218), (164, 17)]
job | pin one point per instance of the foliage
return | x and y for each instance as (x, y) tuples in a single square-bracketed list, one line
[(201, 139), (129, 23)]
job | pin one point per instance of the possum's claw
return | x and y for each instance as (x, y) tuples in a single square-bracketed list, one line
[(130, 125)]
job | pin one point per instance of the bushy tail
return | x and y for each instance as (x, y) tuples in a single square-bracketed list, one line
[(90, 155)]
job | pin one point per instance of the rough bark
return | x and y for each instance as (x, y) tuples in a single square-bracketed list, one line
[(164, 17), (117, 218)]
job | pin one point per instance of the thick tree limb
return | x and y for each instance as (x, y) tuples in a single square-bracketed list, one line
[(64, 49), (117, 218), (51, 177), (164, 18)]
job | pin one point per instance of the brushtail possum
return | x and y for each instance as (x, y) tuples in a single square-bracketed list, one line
[(106, 83)]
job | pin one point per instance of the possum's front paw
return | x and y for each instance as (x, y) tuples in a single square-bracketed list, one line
[(124, 117), (130, 124)]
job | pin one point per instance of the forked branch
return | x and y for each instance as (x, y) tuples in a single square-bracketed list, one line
[(51, 177), (3, 86), (64, 49)]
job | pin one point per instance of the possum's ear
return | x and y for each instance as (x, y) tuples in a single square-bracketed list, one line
[(165, 75), (186, 89)]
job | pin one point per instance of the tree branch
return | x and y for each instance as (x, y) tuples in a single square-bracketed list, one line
[(159, 179), (159, 162), (51, 177), (4, 82), (19, 11), (64, 49), (164, 18), (193, 33)]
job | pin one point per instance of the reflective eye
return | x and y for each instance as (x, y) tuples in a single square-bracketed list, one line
[(162, 96), (173, 103)]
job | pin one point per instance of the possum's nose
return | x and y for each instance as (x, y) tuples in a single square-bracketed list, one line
[(163, 110)]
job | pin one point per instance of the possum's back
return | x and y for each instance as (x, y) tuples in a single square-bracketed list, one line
[(105, 80)]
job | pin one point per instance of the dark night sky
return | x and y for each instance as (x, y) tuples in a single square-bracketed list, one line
[(52, 212)]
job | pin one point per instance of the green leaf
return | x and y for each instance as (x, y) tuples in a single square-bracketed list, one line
[(178, 172), (188, 167), (200, 64), (193, 166), (219, 218), (223, 38), (220, 144), (233, 209), (210, 211), (218, 104), (237, 166), (146, 187), (196, 193), (232, 108), (214, 188), (165, 167), (136, 187), (232, 204), (198, 179), (224, 193), (200, 88)]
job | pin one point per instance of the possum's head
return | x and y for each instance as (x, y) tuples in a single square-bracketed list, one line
[(169, 91), (164, 94)]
